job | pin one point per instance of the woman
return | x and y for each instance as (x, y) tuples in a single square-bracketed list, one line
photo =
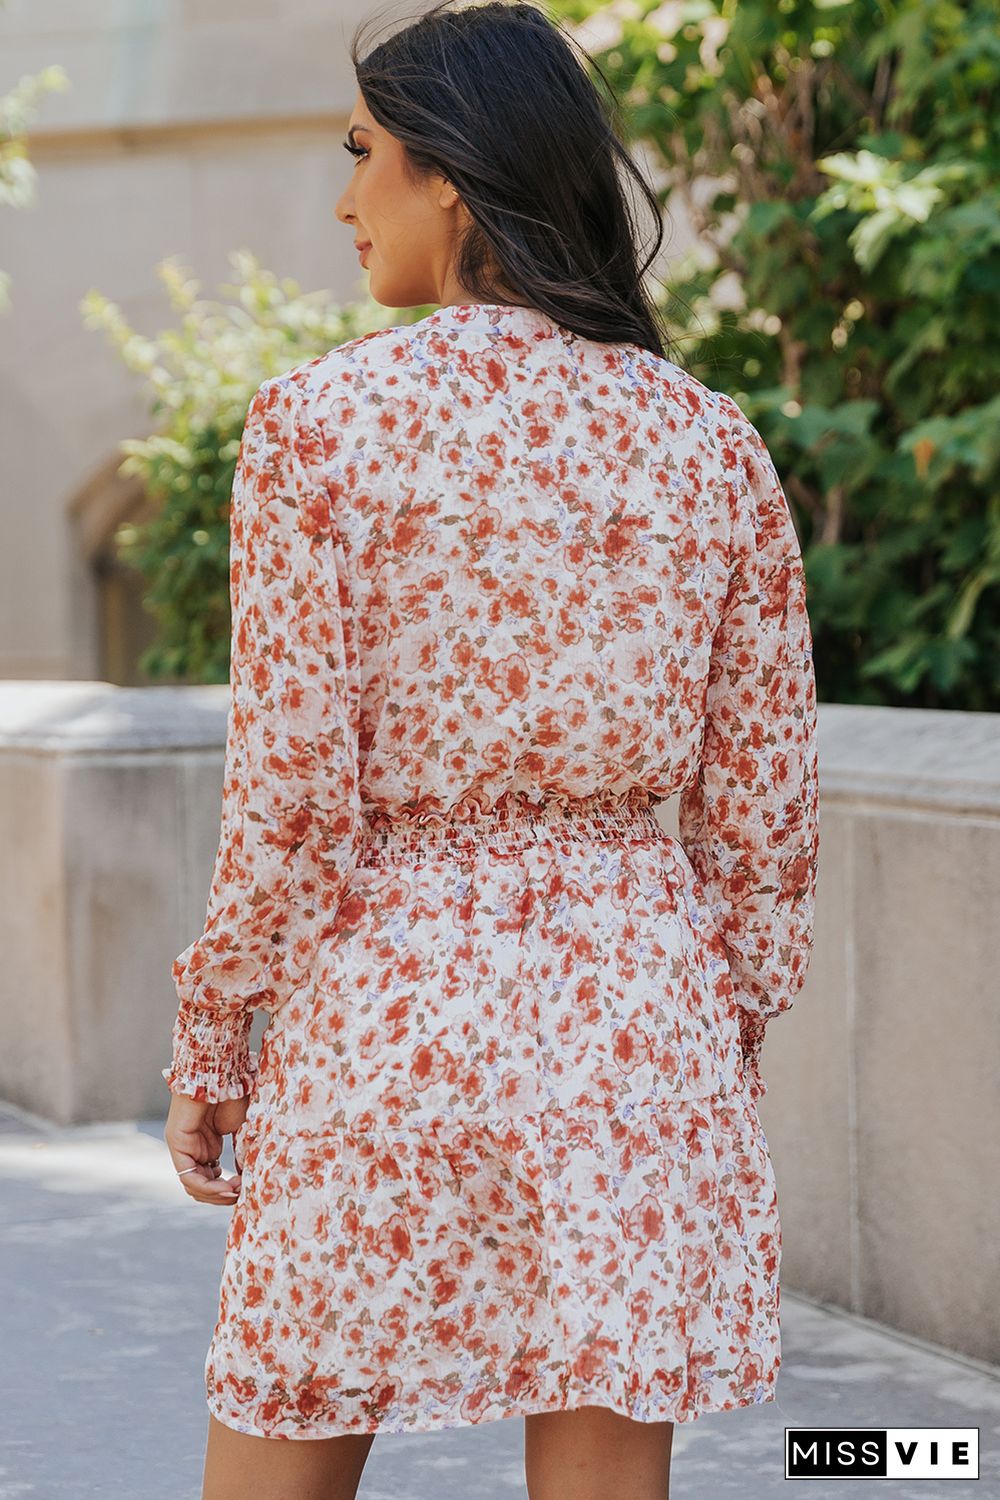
[(502, 580)]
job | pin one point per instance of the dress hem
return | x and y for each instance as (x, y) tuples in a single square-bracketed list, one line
[(581, 1398)]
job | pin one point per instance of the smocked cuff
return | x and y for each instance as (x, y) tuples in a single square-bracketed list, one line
[(752, 1030), (212, 1060)]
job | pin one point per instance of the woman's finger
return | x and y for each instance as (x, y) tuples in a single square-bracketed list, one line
[(206, 1187)]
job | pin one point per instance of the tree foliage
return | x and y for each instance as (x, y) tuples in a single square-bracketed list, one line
[(839, 166), (838, 162)]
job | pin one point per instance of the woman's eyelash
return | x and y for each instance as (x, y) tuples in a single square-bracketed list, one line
[(355, 151)]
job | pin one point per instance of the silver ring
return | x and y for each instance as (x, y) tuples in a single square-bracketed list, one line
[(214, 1163)]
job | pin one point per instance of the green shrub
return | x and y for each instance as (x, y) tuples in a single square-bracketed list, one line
[(18, 178), (201, 378)]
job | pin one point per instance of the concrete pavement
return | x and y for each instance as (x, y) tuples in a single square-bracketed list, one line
[(110, 1277)]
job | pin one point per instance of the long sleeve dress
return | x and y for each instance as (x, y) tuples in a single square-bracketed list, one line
[(497, 590)]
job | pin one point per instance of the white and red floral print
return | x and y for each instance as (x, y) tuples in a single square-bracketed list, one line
[(497, 590)]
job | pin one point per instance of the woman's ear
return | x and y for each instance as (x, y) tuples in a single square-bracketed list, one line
[(450, 197)]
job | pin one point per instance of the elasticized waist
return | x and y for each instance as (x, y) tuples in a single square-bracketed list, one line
[(515, 821)]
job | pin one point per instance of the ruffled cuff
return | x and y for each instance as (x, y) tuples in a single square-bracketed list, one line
[(212, 1060), (752, 1030)]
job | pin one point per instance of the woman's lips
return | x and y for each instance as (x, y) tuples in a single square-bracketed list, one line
[(362, 252)]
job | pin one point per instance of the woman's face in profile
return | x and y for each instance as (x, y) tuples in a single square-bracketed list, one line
[(405, 229)]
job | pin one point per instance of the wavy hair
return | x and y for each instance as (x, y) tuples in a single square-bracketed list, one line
[(495, 98)]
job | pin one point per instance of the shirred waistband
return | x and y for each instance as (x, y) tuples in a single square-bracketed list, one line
[(513, 822)]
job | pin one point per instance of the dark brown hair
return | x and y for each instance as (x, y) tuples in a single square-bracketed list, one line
[(494, 98)]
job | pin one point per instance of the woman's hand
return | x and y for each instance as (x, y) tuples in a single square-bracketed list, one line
[(194, 1135)]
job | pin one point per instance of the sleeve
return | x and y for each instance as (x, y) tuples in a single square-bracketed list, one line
[(749, 821), (291, 817)]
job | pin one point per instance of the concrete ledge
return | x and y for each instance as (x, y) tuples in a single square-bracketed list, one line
[(918, 757), (60, 718)]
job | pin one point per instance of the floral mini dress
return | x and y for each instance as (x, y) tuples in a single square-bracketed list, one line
[(497, 591)]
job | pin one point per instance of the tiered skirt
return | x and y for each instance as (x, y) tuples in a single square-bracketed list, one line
[(501, 1158)]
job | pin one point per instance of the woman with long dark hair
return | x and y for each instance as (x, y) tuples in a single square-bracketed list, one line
[(503, 579)]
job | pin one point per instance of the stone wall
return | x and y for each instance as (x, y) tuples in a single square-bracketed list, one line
[(882, 1111), (192, 128)]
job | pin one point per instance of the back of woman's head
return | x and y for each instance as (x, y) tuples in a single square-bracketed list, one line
[(495, 99)]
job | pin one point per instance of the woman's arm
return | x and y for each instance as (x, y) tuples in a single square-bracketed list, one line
[(291, 803), (749, 822)]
